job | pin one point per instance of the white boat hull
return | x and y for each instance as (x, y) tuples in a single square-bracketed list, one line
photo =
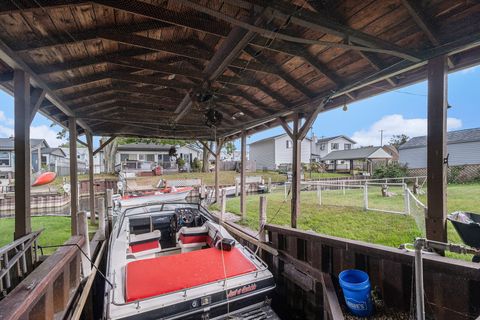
[(154, 198)]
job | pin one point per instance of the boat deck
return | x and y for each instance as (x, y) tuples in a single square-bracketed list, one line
[(152, 277)]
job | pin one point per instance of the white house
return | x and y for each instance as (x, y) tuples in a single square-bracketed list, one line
[(271, 152), (324, 145), (151, 152), (463, 148)]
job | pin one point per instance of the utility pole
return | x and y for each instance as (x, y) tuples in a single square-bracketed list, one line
[(381, 138)]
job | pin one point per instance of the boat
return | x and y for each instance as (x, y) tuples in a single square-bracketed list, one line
[(137, 198), (174, 261), (44, 178)]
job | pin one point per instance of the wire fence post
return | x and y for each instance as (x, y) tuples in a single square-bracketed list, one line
[(343, 187), (82, 227), (285, 192), (407, 199), (365, 196), (224, 205), (236, 188), (319, 194), (269, 185), (262, 219)]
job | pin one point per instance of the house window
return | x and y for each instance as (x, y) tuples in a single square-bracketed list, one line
[(127, 156), (334, 146), (322, 146), (289, 144), (151, 157), (347, 146), (141, 157), (4, 158)]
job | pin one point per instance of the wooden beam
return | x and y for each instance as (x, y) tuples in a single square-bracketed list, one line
[(296, 171), (182, 19), (286, 127), (311, 119), (8, 56), (243, 174), (436, 223), (104, 144), (281, 73), (85, 144), (417, 13), (72, 129), (21, 87), (36, 99)]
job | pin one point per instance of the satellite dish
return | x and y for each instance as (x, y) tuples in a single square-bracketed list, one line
[(120, 185), (66, 187)]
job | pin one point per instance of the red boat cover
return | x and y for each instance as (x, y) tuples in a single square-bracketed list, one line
[(144, 246), (44, 178), (152, 277)]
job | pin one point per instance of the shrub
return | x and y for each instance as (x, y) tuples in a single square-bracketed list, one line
[(392, 170), (453, 174), (180, 162), (196, 164)]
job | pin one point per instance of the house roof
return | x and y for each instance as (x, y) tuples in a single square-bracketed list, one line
[(7, 143), (459, 136), (272, 138), (55, 151), (359, 153), (323, 140)]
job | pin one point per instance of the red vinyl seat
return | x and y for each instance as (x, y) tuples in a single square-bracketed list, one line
[(152, 277)]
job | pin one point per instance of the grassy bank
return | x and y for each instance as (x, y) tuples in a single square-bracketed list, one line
[(57, 230)]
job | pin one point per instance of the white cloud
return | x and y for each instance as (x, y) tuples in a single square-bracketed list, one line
[(6, 120), (45, 132), (396, 124), (5, 132)]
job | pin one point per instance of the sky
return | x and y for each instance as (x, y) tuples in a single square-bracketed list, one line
[(401, 111)]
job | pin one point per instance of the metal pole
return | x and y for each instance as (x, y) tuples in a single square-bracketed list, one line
[(419, 300)]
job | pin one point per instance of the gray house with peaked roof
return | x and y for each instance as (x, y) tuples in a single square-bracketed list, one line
[(463, 147), (356, 159), (7, 156)]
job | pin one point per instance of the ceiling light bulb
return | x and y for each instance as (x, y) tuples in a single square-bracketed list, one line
[(345, 107)]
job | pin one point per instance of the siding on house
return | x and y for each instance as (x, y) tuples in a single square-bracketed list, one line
[(459, 154), (263, 153), (284, 155), (341, 140)]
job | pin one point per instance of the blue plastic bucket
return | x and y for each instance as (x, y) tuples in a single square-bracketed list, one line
[(356, 290)]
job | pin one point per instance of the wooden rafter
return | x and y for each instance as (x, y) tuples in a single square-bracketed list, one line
[(104, 144)]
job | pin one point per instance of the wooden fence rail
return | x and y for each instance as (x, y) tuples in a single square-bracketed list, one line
[(452, 287), (17, 260), (48, 291)]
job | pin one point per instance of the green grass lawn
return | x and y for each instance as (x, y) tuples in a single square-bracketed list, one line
[(57, 230), (342, 215)]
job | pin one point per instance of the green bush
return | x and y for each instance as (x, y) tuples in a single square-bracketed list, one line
[(392, 170), (180, 162), (196, 164), (453, 173)]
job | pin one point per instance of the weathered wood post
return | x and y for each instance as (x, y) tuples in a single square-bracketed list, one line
[(406, 199), (82, 229), (262, 219), (269, 184), (101, 215), (296, 172), (436, 222), (91, 184), (21, 87), (224, 205), (243, 184), (237, 187), (72, 128), (202, 191)]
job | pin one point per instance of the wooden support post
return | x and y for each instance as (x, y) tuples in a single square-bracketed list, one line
[(269, 184), (202, 191), (217, 169), (262, 219), (296, 172), (91, 185), (224, 205), (101, 215), (82, 228), (243, 184), (109, 193), (72, 127), (319, 194), (436, 223), (237, 187), (22, 153)]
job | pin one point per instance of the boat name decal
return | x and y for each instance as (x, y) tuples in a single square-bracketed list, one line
[(238, 291)]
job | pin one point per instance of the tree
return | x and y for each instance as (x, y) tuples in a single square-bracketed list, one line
[(398, 139), (109, 153), (230, 147)]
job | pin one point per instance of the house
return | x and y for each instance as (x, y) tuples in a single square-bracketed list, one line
[(323, 146), (7, 160), (270, 153), (51, 157), (363, 159), (463, 148), (156, 153)]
